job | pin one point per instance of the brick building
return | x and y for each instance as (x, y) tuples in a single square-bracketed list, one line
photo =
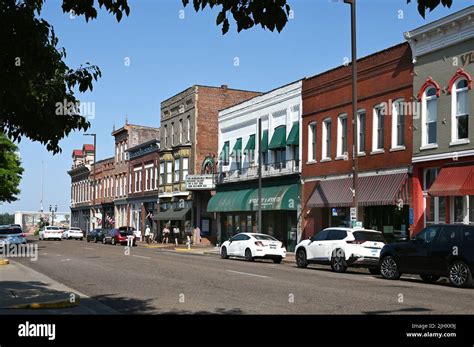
[(189, 136), (384, 139)]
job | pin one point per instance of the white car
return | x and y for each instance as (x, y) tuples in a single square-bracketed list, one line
[(253, 246), (50, 232), (341, 248), (73, 233)]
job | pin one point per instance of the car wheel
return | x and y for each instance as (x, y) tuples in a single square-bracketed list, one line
[(374, 271), (389, 268), (95, 239), (338, 261), (103, 240), (113, 241), (301, 260), (87, 239), (248, 255), (459, 274), (224, 253), (430, 278), (277, 260), (82, 238)]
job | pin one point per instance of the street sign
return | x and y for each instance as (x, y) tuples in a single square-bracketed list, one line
[(353, 213)]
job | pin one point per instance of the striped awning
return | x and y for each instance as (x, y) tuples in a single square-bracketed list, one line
[(376, 190), (454, 181)]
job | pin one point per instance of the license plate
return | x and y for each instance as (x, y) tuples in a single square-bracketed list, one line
[(273, 246)]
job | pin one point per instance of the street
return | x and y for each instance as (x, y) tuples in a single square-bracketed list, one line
[(157, 281)]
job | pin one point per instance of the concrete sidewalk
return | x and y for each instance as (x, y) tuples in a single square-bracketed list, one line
[(26, 291)]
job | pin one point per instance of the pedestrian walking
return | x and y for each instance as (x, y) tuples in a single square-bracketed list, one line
[(147, 234), (176, 232), (197, 235), (189, 234), (166, 234)]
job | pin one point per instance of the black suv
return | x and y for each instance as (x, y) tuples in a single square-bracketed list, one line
[(438, 250), (95, 235)]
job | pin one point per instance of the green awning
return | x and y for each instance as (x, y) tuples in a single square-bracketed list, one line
[(285, 197), (250, 144), (237, 147), (172, 214), (230, 201), (294, 136), (265, 141), (225, 152), (278, 138)]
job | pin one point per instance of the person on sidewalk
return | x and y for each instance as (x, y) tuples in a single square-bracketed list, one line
[(197, 235), (189, 234), (176, 234), (166, 234), (147, 234)]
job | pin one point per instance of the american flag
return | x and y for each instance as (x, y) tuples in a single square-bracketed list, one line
[(109, 219)]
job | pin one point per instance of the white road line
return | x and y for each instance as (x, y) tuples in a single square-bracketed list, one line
[(140, 256), (89, 248), (245, 273)]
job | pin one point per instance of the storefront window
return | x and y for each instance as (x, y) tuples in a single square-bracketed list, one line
[(458, 209), (430, 210), (229, 226), (441, 209), (250, 225)]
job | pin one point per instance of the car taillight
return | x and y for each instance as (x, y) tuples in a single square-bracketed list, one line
[(357, 242), (23, 235), (259, 243)]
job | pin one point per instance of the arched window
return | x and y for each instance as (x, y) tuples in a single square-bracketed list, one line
[(429, 116), (460, 110)]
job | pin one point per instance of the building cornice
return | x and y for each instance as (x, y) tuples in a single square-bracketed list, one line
[(441, 156)]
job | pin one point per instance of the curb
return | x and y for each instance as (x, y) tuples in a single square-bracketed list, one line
[(4, 262), (65, 303)]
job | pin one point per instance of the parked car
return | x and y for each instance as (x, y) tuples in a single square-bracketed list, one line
[(95, 235), (50, 232), (73, 233), (119, 236), (253, 246), (342, 248), (11, 235), (437, 251)]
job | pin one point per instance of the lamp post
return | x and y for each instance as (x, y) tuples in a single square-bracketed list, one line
[(93, 180), (53, 213), (355, 169)]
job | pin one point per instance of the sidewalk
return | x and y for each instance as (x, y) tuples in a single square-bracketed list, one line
[(199, 250), (26, 291)]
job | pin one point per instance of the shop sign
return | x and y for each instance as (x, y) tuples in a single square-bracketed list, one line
[(266, 203), (200, 182), (353, 213)]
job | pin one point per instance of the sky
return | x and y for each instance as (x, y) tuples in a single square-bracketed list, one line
[(162, 48)]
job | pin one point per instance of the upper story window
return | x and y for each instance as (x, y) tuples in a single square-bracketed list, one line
[(378, 129), (460, 110), (162, 172), (169, 172), (312, 141), (342, 135), (361, 125), (166, 135), (180, 131), (326, 147), (177, 163), (398, 124), (172, 134), (188, 129), (429, 115), (185, 169)]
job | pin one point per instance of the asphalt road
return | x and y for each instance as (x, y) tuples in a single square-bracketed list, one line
[(153, 281)]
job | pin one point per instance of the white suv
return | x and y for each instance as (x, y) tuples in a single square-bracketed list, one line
[(341, 248)]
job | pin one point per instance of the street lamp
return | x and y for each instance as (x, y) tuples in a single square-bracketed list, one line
[(355, 201), (53, 212), (93, 181)]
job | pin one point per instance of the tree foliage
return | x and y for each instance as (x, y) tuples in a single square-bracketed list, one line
[(430, 5), (10, 170), (6, 218)]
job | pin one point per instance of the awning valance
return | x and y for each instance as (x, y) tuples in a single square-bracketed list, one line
[(265, 141), (453, 181), (376, 190), (250, 144), (225, 152), (237, 147), (172, 214), (279, 138), (294, 135), (285, 197)]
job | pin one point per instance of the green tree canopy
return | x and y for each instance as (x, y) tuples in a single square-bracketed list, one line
[(10, 170)]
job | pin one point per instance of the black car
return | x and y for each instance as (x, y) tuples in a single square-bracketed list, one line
[(437, 251), (96, 235)]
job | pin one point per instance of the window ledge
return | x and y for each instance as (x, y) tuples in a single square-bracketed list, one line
[(325, 160), (361, 154), (311, 162), (342, 157), (430, 146), (459, 142), (398, 148), (377, 151)]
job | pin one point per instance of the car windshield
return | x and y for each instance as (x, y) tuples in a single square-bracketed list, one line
[(75, 229), (8, 231), (52, 228), (368, 236), (126, 232), (264, 237)]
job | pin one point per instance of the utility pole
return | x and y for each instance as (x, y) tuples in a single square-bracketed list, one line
[(355, 149), (259, 216)]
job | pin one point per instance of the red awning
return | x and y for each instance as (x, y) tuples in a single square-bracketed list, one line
[(453, 181), (376, 190)]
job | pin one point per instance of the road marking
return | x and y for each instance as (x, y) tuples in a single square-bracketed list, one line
[(245, 273), (65, 259), (140, 256), (89, 248)]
